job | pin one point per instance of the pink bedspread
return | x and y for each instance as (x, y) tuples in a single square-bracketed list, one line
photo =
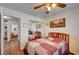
[(47, 47)]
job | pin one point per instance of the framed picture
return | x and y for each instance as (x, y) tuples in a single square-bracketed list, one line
[(57, 23)]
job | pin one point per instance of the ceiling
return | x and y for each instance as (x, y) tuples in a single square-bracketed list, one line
[(28, 9)]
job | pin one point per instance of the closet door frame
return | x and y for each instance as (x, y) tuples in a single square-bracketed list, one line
[(2, 32)]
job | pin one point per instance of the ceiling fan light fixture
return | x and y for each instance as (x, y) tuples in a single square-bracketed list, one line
[(49, 8)]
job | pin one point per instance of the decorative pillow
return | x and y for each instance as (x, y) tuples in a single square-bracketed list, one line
[(37, 35), (31, 37), (53, 35)]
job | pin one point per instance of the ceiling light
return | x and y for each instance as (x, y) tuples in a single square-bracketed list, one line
[(49, 8), (6, 17)]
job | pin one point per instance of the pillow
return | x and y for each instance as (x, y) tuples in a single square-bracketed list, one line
[(50, 38), (37, 35), (31, 37), (53, 35)]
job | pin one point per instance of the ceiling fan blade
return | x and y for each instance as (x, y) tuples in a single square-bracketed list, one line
[(61, 5), (38, 6)]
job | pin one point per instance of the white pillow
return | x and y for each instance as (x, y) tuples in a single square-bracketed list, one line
[(50, 38), (31, 37)]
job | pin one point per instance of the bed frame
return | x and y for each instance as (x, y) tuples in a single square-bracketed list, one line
[(65, 37)]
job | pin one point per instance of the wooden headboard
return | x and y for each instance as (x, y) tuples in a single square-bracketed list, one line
[(64, 36)]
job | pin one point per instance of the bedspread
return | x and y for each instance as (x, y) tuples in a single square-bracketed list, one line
[(46, 47)]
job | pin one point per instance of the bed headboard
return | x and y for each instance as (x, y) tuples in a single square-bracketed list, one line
[(63, 36)]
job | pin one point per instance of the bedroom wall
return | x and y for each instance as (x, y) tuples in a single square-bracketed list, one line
[(72, 28), (23, 19)]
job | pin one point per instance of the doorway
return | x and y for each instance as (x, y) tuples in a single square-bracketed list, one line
[(11, 30)]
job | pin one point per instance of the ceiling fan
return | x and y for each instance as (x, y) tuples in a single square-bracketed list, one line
[(49, 6)]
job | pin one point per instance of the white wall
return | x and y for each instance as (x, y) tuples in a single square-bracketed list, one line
[(24, 18), (72, 28)]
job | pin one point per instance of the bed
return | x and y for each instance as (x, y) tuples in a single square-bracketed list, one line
[(55, 44)]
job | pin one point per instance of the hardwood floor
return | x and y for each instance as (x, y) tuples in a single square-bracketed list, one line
[(11, 49)]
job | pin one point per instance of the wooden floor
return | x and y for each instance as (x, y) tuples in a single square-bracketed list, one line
[(11, 50)]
